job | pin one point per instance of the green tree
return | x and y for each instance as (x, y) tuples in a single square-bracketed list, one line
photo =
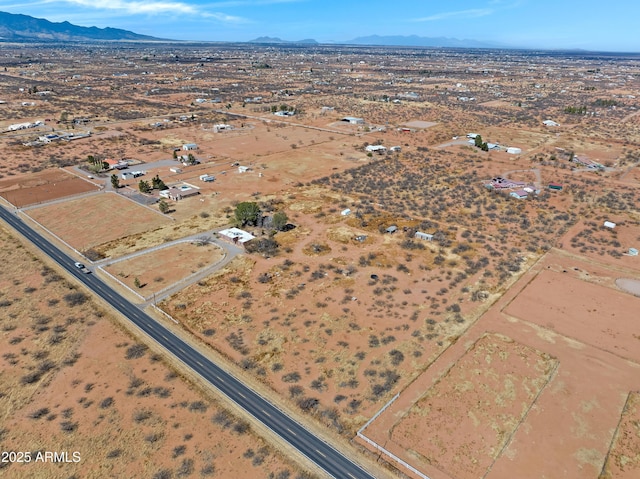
[(158, 184), (144, 186), (478, 141), (115, 181), (247, 212), (175, 155), (163, 206), (484, 146), (280, 219), (191, 159), (136, 283)]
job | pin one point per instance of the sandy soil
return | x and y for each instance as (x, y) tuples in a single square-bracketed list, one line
[(161, 268), (86, 222), (41, 187), (572, 422), (71, 381), (464, 421), (623, 460)]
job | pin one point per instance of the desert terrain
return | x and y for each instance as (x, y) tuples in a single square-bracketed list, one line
[(440, 280)]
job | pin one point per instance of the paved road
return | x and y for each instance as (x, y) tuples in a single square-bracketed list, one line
[(322, 454)]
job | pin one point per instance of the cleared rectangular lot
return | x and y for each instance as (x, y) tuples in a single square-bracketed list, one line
[(87, 222)]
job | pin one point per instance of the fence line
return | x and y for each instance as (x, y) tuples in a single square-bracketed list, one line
[(382, 449)]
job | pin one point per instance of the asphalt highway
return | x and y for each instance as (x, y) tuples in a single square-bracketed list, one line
[(321, 453)]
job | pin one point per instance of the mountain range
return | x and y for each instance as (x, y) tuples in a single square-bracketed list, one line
[(16, 27), (391, 40)]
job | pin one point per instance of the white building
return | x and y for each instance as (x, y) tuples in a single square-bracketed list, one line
[(235, 236), (376, 149), (550, 123), (353, 120), (512, 150), (189, 146), (424, 236)]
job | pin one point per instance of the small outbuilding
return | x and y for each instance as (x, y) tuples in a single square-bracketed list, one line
[(519, 194), (609, 224), (512, 150), (376, 149), (189, 146), (423, 236), (353, 120), (392, 229), (345, 212)]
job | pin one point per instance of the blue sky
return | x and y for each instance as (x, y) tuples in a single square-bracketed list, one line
[(588, 24)]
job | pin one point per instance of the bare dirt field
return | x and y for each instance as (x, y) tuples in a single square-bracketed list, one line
[(464, 437), (88, 222), (24, 190), (72, 381), (163, 267), (571, 422), (623, 460), (420, 124), (595, 315)]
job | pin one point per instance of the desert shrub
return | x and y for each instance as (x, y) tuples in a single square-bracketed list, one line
[(31, 377), (136, 351), (185, 468), (153, 438), (396, 357), (114, 453), (141, 416), (264, 246), (241, 427), (106, 403), (293, 377), (223, 418), (198, 406), (179, 450), (68, 426), (163, 474), (295, 391), (77, 298), (308, 403), (39, 413), (208, 470)]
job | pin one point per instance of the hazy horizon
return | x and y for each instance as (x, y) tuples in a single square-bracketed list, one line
[(543, 24)]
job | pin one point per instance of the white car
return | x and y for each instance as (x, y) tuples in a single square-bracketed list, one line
[(82, 267)]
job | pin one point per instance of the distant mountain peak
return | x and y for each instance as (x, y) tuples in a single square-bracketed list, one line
[(17, 27), (280, 41), (417, 41)]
